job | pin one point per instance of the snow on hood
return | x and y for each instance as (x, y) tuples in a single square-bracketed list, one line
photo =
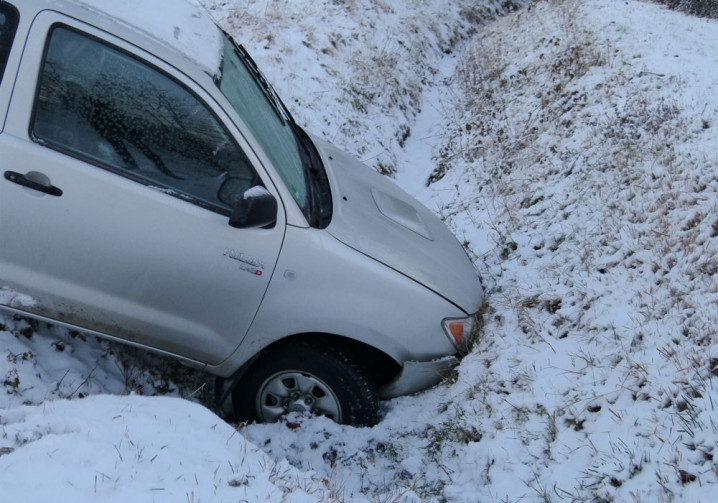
[(183, 25)]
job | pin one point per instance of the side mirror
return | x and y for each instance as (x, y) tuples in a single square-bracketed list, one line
[(256, 208)]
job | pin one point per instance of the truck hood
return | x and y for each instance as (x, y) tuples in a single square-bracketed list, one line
[(375, 217)]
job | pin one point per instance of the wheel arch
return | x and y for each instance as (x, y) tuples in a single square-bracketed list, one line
[(380, 367)]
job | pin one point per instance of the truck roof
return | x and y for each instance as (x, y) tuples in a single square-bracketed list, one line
[(184, 27)]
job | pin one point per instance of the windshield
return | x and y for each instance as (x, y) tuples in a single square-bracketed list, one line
[(267, 119)]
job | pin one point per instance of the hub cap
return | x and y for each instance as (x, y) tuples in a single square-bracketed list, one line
[(292, 391)]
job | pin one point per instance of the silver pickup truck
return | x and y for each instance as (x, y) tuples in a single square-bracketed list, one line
[(156, 191)]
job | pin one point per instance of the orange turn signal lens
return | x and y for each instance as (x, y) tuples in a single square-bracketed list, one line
[(459, 330), (456, 329)]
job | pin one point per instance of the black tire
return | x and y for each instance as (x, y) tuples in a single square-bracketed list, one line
[(304, 378)]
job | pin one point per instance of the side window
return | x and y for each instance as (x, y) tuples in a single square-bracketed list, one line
[(100, 104), (8, 25)]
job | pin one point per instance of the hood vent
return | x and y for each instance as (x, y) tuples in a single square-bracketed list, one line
[(400, 212)]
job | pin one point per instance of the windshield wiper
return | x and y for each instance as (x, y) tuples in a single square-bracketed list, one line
[(272, 97), (319, 208), (320, 195)]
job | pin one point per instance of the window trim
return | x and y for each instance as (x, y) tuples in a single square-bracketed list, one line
[(92, 161), (13, 15)]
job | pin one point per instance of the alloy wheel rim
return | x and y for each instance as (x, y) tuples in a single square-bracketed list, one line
[(294, 391)]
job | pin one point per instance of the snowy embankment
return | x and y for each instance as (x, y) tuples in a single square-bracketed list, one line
[(586, 174), (353, 71), (575, 155), (577, 161), (138, 449)]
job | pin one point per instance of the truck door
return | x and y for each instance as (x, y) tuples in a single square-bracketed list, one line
[(118, 177)]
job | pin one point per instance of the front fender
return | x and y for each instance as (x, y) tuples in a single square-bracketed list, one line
[(323, 286)]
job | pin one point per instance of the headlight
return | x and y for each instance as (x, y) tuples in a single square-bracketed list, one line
[(460, 331)]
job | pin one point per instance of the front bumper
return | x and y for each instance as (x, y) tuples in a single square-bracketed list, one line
[(417, 376)]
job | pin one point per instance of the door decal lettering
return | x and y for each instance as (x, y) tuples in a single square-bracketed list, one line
[(247, 262)]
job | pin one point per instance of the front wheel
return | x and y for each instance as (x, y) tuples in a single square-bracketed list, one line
[(299, 378)]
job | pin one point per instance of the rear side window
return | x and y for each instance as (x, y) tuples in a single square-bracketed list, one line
[(8, 25), (104, 106)]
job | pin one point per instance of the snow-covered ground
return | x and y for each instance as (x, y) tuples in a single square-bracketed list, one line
[(571, 145)]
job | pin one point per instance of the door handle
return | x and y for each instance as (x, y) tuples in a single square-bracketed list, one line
[(23, 180)]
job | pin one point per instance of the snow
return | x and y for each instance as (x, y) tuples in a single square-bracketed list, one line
[(15, 299), (183, 24), (104, 449), (572, 147), (256, 191)]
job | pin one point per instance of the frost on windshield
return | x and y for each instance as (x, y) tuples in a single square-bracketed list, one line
[(258, 109)]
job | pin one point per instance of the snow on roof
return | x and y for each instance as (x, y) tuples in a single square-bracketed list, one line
[(184, 25)]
